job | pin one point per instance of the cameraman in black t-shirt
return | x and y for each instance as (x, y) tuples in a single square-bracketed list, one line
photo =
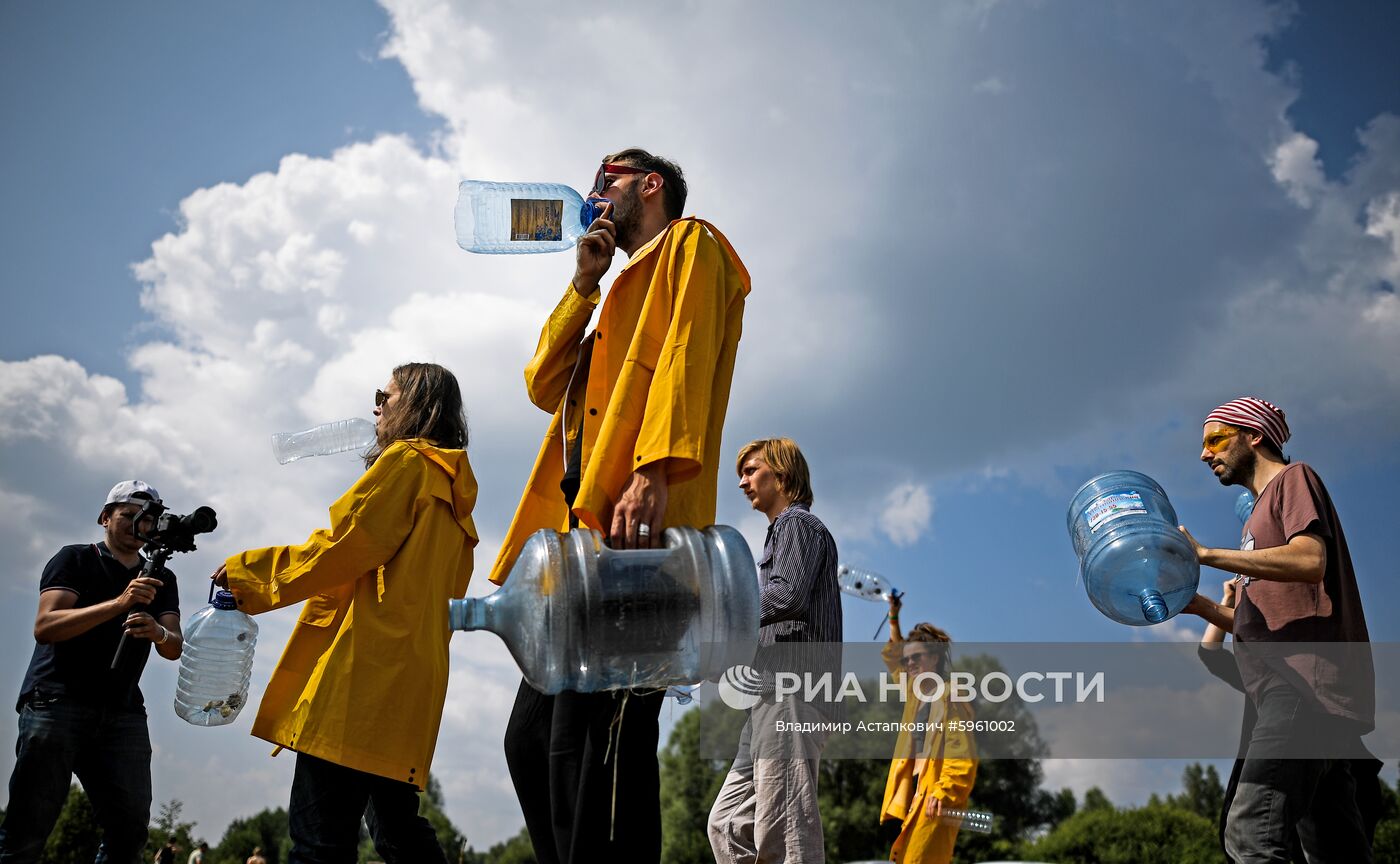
[(78, 715)]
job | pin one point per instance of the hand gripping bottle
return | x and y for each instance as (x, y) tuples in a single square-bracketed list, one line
[(1137, 566), (216, 663), (511, 218), (338, 437), (577, 615)]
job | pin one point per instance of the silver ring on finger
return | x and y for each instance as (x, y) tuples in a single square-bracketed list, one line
[(643, 530)]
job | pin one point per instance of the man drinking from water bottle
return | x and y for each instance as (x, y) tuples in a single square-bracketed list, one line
[(638, 406)]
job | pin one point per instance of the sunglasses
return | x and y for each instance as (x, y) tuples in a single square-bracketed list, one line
[(600, 180), (380, 397), (916, 657), (1217, 441)]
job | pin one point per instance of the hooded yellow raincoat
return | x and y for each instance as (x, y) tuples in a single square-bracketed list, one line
[(650, 384), (946, 770), (363, 678)]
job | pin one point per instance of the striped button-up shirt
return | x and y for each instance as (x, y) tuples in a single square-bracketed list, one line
[(800, 600)]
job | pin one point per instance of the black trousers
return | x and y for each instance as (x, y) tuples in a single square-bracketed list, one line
[(324, 817), (1282, 807), (564, 753)]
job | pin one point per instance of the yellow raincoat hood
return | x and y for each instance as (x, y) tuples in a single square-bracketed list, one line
[(363, 678)]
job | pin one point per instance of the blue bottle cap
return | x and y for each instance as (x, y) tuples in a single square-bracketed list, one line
[(224, 600), (592, 208)]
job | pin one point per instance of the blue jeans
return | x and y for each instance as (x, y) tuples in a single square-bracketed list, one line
[(110, 752)]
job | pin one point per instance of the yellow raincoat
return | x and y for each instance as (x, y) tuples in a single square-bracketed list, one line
[(363, 678), (650, 384), (947, 772)]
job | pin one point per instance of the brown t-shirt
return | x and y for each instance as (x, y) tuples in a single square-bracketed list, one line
[(1342, 676)]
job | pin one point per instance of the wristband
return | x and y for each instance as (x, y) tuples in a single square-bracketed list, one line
[(164, 634), (894, 619)]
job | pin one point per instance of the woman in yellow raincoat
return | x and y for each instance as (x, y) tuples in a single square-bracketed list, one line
[(933, 770), (359, 691)]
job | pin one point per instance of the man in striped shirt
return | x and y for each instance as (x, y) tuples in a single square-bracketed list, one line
[(767, 809)]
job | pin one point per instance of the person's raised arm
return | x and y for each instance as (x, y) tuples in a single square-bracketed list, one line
[(557, 354), (1214, 634)]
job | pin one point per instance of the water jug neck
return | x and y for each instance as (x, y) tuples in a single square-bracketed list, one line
[(473, 613), (1154, 606)]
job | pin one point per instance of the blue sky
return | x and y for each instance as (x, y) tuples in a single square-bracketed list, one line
[(997, 248)]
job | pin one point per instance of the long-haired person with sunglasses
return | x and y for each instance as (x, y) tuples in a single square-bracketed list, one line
[(933, 770), (638, 406), (359, 691)]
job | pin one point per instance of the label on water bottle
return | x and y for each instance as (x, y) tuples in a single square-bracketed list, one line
[(536, 219), (1113, 506)]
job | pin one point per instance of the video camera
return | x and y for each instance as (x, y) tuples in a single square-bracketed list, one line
[(172, 531)]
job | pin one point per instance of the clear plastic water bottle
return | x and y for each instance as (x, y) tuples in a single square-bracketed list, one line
[(216, 663), (337, 437), (511, 218), (978, 821), (863, 584), (1244, 506), (577, 615), (1137, 567)]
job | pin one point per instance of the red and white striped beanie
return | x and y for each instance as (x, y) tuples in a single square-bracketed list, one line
[(1254, 413)]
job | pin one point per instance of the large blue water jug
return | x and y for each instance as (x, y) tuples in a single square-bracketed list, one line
[(1138, 568), (577, 615), (511, 218), (1244, 506)]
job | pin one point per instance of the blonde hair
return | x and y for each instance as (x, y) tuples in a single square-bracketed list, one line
[(787, 464)]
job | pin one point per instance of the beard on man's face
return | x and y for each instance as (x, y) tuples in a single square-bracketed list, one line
[(1237, 464), (627, 216)]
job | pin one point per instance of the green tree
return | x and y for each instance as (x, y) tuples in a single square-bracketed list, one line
[(168, 825), (1147, 835), (76, 835), (1009, 787), (689, 785), (1094, 799), (1386, 849), (1202, 792), (266, 829)]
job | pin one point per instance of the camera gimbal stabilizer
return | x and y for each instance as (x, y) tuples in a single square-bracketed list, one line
[(171, 533)]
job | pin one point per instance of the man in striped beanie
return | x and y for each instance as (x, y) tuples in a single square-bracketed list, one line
[(1294, 787)]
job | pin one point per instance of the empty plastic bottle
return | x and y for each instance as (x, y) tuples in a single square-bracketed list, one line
[(979, 821), (511, 218), (216, 663), (863, 583), (1244, 506), (338, 437), (577, 615), (1138, 568)]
